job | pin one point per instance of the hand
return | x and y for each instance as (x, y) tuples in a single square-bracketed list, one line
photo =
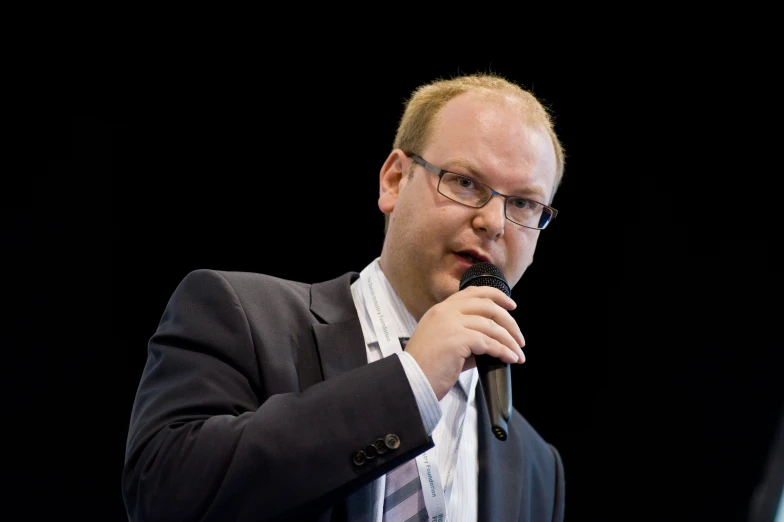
[(475, 320)]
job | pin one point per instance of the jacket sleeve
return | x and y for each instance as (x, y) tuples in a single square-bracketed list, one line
[(207, 442)]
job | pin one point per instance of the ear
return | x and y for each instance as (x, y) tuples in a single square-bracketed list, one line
[(391, 180)]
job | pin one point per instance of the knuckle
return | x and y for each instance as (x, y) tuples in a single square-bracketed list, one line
[(481, 343), (489, 343), (437, 310)]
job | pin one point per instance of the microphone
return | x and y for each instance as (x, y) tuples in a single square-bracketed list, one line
[(494, 374)]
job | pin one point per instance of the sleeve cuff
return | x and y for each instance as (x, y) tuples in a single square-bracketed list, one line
[(426, 399)]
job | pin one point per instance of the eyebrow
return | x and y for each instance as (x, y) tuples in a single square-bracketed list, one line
[(530, 192)]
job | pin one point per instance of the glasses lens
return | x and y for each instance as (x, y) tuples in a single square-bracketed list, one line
[(528, 213), (463, 190)]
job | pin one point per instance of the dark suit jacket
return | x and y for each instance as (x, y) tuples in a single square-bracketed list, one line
[(257, 393)]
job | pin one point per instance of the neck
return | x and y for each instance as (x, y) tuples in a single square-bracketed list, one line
[(399, 288)]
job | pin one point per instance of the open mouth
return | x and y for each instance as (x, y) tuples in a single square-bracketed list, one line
[(469, 257)]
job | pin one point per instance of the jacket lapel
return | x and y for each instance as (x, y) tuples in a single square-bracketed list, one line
[(341, 348), (339, 338)]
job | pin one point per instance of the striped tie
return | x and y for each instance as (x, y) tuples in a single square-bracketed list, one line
[(403, 499)]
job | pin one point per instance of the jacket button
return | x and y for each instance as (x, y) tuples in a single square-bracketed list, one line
[(359, 457), (380, 446), (370, 452), (392, 441)]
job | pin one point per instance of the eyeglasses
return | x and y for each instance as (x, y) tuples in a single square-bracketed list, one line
[(473, 193)]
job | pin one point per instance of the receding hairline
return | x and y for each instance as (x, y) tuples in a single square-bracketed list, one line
[(425, 105), (530, 110), (438, 92)]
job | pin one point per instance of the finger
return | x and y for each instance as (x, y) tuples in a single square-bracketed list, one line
[(494, 294), (492, 329), (490, 310), (491, 347), (484, 337)]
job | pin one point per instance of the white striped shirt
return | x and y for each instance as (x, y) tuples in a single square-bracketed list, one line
[(450, 421)]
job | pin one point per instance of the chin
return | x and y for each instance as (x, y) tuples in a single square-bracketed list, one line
[(445, 287)]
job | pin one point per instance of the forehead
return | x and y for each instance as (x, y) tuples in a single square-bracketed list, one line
[(498, 139)]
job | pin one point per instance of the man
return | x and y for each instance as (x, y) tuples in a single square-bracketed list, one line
[(267, 399)]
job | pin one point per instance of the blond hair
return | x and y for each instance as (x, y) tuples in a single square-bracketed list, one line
[(423, 106)]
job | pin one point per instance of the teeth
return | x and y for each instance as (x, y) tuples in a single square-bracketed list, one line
[(470, 258)]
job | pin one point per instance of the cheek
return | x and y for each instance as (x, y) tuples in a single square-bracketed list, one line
[(521, 255), (416, 230), (432, 221)]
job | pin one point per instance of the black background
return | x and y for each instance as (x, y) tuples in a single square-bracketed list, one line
[(651, 311)]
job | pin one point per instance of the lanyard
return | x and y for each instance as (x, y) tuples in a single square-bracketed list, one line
[(383, 323), (431, 486), (389, 342)]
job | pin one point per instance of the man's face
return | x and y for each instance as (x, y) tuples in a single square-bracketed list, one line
[(484, 137)]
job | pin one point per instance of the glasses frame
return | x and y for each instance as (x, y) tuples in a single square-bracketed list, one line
[(438, 171)]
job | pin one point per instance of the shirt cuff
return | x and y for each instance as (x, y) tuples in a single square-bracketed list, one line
[(426, 399)]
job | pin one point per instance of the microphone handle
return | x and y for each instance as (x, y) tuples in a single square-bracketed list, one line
[(496, 380)]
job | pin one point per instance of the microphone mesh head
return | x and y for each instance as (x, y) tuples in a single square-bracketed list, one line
[(485, 274)]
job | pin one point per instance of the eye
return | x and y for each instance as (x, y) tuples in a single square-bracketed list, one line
[(464, 182), (520, 203)]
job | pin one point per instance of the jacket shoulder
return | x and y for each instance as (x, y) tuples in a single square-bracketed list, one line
[(270, 294)]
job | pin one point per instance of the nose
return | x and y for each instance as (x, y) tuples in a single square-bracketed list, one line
[(491, 218)]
